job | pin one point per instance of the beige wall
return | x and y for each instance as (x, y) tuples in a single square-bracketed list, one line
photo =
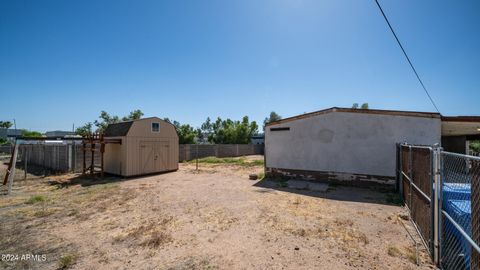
[(142, 128), (134, 166), (142, 131), (113, 158), (358, 143)]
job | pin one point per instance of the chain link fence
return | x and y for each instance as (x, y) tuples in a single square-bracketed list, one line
[(460, 211), (442, 192)]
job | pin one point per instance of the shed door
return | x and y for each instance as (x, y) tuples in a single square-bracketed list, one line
[(147, 157), (154, 156), (162, 150)]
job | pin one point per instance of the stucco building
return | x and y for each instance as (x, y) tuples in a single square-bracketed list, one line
[(354, 145)]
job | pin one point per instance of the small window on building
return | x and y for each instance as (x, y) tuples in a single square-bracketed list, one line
[(280, 129), (155, 127)]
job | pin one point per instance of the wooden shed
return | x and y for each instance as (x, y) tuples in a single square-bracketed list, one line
[(148, 146)]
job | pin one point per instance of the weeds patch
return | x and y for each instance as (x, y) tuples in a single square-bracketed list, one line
[(66, 261), (35, 199), (242, 161)]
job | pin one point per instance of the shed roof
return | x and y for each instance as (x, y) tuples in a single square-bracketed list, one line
[(121, 129), (118, 129), (366, 111)]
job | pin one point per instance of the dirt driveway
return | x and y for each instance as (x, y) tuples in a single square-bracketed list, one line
[(211, 219)]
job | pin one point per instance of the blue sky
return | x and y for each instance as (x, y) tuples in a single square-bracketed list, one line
[(62, 62)]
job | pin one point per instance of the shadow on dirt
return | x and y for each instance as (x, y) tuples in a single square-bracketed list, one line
[(334, 192), (96, 179), (85, 180)]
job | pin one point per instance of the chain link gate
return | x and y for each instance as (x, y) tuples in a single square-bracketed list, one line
[(416, 176), (442, 191)]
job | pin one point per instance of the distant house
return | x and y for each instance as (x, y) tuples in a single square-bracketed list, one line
[(59, 133), (357, 145), (258, 139), (12, 133)]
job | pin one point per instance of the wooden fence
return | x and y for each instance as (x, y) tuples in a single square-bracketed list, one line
[(192, 151), (69, 157)]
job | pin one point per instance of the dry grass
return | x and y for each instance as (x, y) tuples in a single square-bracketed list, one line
[(187, 220), (406, 252), (217, 219), (394, 251), (194, 263), (156, 239), (151, 234)]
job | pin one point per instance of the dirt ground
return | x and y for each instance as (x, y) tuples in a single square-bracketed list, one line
[(214, 218)]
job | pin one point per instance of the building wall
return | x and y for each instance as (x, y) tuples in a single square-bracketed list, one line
[(59, 133), (347, 144), (114, 157)]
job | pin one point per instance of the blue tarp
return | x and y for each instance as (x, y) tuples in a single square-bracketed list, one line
[(457, 203)]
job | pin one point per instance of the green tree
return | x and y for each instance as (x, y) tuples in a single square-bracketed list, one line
[(84, 130), (134, 115), (232, 132), (27, 133), (475, 146), (5, 124), (205, 130), (356, 106), (186, 133), (106, 119), (271, 118)]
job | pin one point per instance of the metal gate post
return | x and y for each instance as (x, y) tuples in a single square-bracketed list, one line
[(410, 174), (436, 204), (400, 165)]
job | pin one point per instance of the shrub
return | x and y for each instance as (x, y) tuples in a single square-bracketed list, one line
[(66, 261)]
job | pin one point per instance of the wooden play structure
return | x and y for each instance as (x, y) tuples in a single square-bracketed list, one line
[(90, 144)]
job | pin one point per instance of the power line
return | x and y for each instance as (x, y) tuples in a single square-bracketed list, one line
[(408, 59)]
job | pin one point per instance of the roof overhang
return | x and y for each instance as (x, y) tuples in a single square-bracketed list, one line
[(461, 126), (358, 111)]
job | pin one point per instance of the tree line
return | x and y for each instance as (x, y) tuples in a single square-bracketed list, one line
[(220, 131)]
